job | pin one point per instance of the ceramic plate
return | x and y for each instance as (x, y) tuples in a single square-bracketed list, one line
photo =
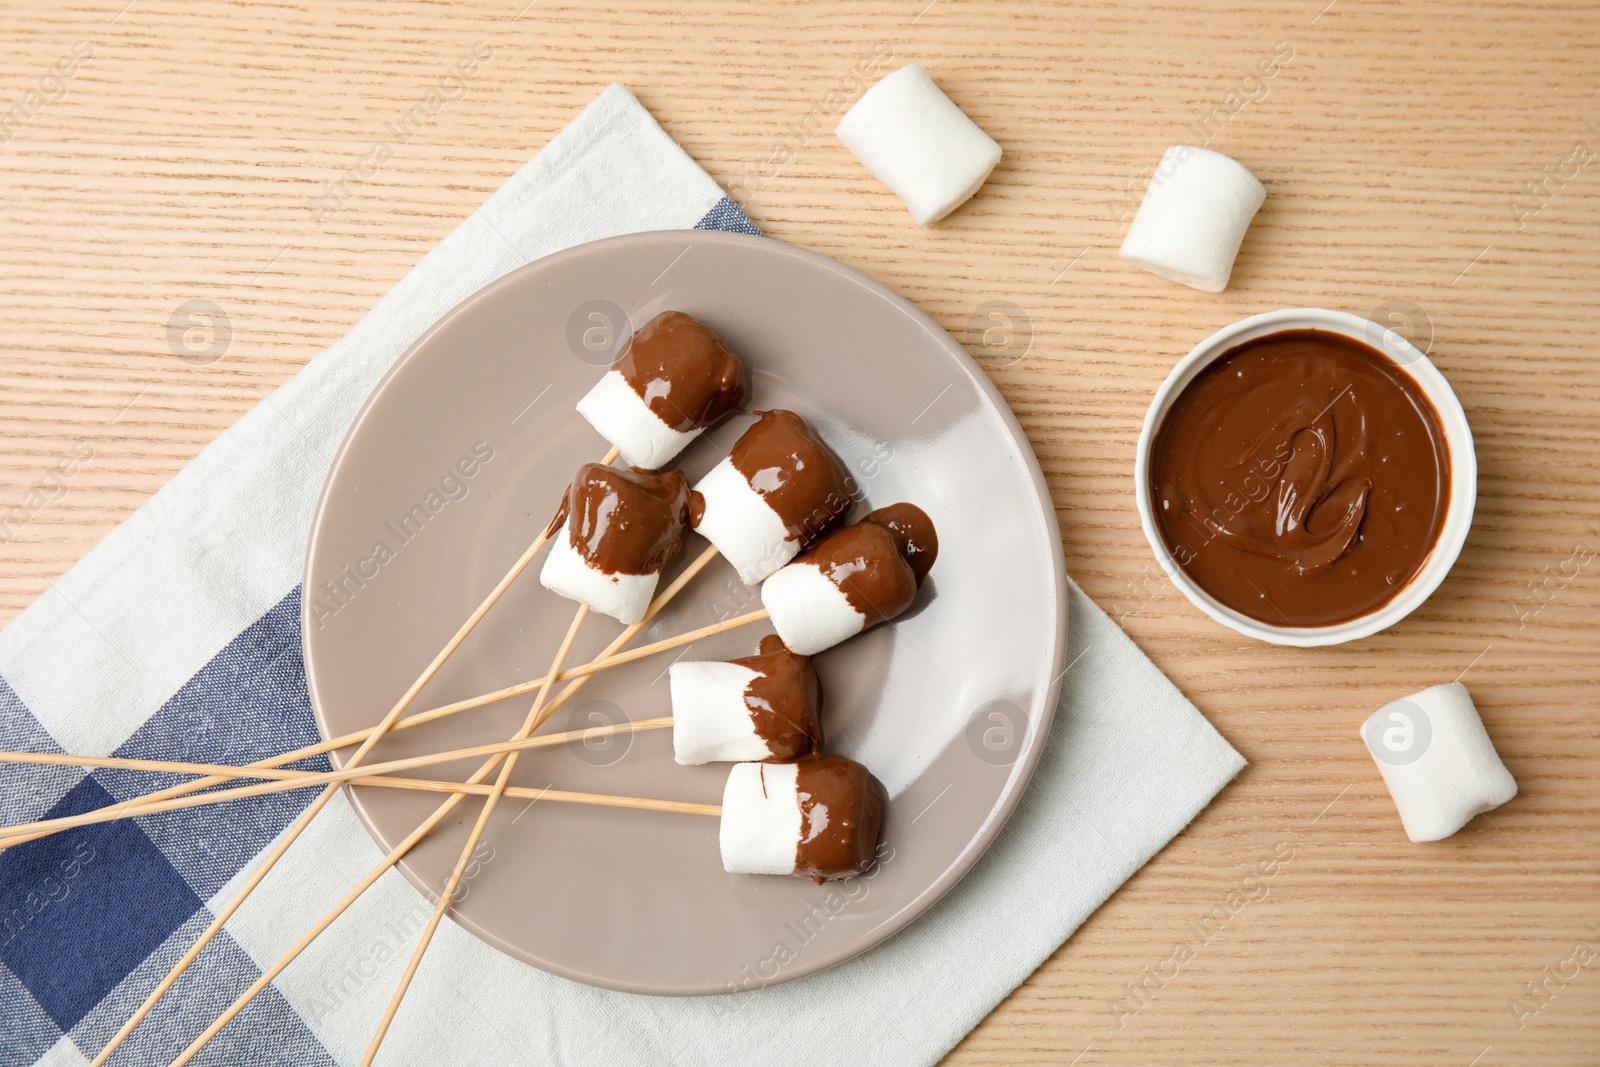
[(459, 459)]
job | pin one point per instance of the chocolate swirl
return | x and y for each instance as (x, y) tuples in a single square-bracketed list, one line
[(683, 372), (785, 700), (841, 815), (625, 520), (797, 475)]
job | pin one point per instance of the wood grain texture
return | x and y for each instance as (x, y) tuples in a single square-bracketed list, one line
[(184, 158)]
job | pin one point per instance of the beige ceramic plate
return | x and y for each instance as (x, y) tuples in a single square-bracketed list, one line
[(459, 458)]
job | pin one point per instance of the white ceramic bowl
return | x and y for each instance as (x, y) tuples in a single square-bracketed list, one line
[(1458, 441)]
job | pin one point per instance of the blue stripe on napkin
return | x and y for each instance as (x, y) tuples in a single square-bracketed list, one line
[(26, 793), (83, 908), (249, 703), (725, 215)]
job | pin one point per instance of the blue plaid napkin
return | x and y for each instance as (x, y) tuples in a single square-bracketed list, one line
[(178, 637)]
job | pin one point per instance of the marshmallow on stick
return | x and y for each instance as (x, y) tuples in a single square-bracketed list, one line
[(1193, 218), (915, 140), (854, 578), (623, 525), (760, 707), (673, 379), (816, 818), (779, 489)]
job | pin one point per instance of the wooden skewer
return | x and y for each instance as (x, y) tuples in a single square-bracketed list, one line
[(302, 779), (447, 894), (297, 827), (16, 835), (600, 663), (378, 870), (306, 779), (522, 792), (350, 897), (283, 781)]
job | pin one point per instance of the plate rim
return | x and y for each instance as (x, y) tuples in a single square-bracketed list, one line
[(1027, 761)]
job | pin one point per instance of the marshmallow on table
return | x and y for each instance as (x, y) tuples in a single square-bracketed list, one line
[(1437, 760), (816, 818), (757, 708), (616, 529), (1193, 218), (779, 488), (852, 579), (916, 141), (673, 378)]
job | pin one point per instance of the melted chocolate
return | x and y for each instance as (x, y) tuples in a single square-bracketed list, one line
[(1301, 479), (683, 372), (841, 814), (785, 700), (919, 542), (625, 520), (870, 563), (797, 475)]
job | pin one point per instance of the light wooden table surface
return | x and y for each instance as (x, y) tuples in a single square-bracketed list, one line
[(1438, 158)]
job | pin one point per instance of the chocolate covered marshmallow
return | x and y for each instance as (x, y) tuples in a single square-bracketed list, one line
[(761, 707), (816, 818), (616, 529), (673, 379), (852, 579), (779, 489)]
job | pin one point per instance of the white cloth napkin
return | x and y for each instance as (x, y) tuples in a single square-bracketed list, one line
[(134, 629)]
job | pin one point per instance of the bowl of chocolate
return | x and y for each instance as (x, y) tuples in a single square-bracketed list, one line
[(1306, 477)]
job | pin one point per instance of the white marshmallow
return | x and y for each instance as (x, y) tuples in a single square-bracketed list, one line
[(915, 140), (710, 721), (624, 597), (1437, 760), (1193, 218), (760, 819), (809, 612), (623, 418), (742, 525)]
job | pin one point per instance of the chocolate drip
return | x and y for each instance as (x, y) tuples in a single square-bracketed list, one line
[(797, 475), (841, 814), (560, 518), (625, 520), (913, 530), (785, 700), (683, 372), (1301, 479)]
